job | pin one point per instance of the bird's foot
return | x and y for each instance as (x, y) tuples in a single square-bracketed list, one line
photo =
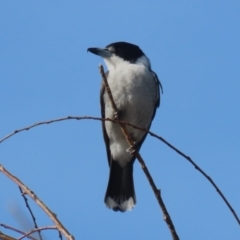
[(116, 115), (132, 149)]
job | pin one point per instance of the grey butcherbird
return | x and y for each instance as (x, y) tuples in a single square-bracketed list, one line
[(135, 89)]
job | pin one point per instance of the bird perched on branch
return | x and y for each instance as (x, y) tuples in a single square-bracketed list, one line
[(135, 90)]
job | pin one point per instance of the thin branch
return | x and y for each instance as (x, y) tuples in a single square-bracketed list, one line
[(202, 172), (16, 230), (26, 190), (37, 230), (136, 127), (30, 210)]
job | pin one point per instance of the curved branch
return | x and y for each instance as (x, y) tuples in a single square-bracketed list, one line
[(37, 230), (136, 127)]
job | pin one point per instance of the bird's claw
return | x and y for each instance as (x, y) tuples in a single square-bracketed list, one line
[(132, 149), (116, 115)]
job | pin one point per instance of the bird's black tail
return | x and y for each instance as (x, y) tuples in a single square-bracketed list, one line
[(120, 194)]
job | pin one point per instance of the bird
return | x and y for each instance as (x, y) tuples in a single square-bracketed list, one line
[(136, 92)]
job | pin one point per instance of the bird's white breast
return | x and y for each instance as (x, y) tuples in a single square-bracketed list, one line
[(134, 90)]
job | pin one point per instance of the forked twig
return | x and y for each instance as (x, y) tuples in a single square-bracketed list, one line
[(130, 141), (27, 191)]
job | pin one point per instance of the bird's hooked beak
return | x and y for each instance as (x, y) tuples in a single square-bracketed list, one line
[(102, 52)]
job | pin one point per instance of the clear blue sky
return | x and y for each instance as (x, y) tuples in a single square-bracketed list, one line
[(46, 73)]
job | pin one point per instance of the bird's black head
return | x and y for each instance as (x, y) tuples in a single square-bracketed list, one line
[(127, 51)]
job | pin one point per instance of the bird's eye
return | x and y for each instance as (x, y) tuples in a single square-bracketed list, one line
[(111, 49), (118, 49)]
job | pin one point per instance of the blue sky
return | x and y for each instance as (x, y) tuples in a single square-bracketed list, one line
[(46, 73)]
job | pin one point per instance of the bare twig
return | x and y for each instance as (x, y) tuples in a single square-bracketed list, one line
[(16, 230), (130, 141), (37, 230), (30, 210), (136, 127), (51, 215)]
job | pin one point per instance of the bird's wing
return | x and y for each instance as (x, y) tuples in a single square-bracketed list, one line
[(159, 90), (157, 104), (106, 139)]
